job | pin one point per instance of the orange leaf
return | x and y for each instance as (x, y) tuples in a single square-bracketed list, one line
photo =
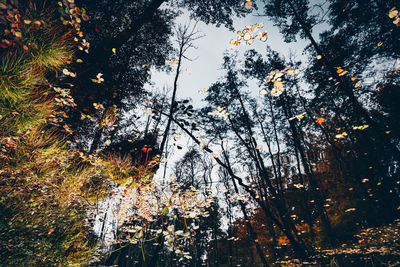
[(320, 120)]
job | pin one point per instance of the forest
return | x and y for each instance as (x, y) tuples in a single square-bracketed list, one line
[(154, 133)]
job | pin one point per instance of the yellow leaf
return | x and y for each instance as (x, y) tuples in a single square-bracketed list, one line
[(351, 209), (319, 56), (356, 85), (18, 34), (379, 44), (342, 135), (114, 50), (363, 127), (279, 85), (27, 21), (393, 13)]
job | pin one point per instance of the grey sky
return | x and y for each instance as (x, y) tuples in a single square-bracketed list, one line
[(205, 69)]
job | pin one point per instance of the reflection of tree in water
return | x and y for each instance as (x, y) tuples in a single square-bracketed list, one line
[(289, 156)]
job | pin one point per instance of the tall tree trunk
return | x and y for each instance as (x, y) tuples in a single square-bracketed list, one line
[(346, 87), (311, 179), (172, 106), (277, 197), (298, 246), (250, 230), (306, 207)]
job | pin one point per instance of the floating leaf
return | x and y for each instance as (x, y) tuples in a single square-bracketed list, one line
[(320, 120), (85, 17), (349, 210), (298, 117), (393, 13), (249, 4), (363, 127), (342, 135), (165, 211)]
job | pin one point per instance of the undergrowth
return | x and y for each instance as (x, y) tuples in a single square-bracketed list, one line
[(46, 187)]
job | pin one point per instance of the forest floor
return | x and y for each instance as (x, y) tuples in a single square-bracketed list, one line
[(375, 246)]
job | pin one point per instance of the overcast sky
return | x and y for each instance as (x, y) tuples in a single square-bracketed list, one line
[(205, 69)]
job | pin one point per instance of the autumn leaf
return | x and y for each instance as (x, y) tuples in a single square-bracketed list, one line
[(342, 135), (298, 117), (248, 4), (393, 13), (320, 120), (363, 127), (339, 70)]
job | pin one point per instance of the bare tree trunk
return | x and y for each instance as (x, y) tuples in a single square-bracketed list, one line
[(280, 201), (285, 226), (313, 184), (346, 87), (250, 230), (172, 106), (306, 207), (186, 37)]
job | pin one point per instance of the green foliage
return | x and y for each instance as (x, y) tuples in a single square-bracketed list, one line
[(45, 185)]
